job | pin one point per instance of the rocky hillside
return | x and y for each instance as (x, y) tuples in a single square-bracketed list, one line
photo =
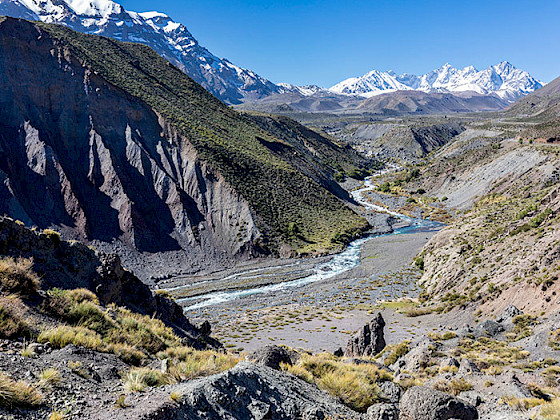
[(109, 142), (502, 247), (408, 102), (400, 140)]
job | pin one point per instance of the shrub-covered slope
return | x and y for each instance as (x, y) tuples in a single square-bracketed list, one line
[(109, 140)]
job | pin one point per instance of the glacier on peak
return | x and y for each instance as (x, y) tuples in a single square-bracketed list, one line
[(502, 79)]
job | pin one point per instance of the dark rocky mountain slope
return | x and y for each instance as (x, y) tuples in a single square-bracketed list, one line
[(111, 143)]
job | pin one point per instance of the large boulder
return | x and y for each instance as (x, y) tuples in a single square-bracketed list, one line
[(382, 412), (423, 403), (272, 356), (369, 340), (509, 313), (419, 357), (488, 328), (248, 392)]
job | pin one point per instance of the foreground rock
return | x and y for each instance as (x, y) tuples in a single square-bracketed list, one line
[(369, 341), (248, 392), (422, 403), (272, 356)]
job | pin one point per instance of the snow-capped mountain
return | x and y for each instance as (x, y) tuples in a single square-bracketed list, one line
[(170, 39), (306, 90), (503, 80)]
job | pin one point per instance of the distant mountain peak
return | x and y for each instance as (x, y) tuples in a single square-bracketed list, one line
[(170, 39), (502, 79)]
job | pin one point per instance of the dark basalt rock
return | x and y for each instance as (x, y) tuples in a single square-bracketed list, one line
[(421, 402), (272, 356), (369, 341)]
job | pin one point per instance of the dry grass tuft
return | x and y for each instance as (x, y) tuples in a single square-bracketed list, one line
[(18, 393), (17, 276), (355, 385), (64, 335), (454, 386), (551, 410), (12, 318), (50, 377), (57, 415), (394, 352)]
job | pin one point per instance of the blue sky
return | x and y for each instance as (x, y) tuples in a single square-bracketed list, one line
[(324, 42)]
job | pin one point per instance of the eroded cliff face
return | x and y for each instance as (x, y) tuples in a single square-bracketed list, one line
[(81, 154)]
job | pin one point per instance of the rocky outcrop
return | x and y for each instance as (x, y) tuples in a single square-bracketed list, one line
[(273, 356), (248, 392), (424, 403), (382, 412), (369, 340), (72, 265)]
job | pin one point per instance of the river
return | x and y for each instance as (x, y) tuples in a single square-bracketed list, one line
[(337, 265)]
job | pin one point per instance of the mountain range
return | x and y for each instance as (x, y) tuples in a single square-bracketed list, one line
[(503, 80), (171, 40), (233, 84)]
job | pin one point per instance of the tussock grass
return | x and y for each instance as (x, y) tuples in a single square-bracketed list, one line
[(489, 352), (393, 352), (522, 404), (522, 329), (12, 319), (129, 335), (184, 363), (176, 397), (49, 376), (454, 386), (138, 379), (17, 276), (551, 410), (18, 393), (196, 363), (64, 335), (354, 385), (53, 236), (447, 335), (554, 340), (57, 415)]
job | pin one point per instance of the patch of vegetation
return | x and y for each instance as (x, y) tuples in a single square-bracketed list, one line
[(354, 385), (447, 335), (17, 277), (487, 352), (393, 352), (523, 327), (522, 404), (14, 394), (454, 386), (12, 320), (184, 363), (551, 410), (554, 340), (53, 236)]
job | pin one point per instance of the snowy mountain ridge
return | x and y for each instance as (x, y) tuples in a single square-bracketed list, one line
[(503, 80), (170, 39)]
